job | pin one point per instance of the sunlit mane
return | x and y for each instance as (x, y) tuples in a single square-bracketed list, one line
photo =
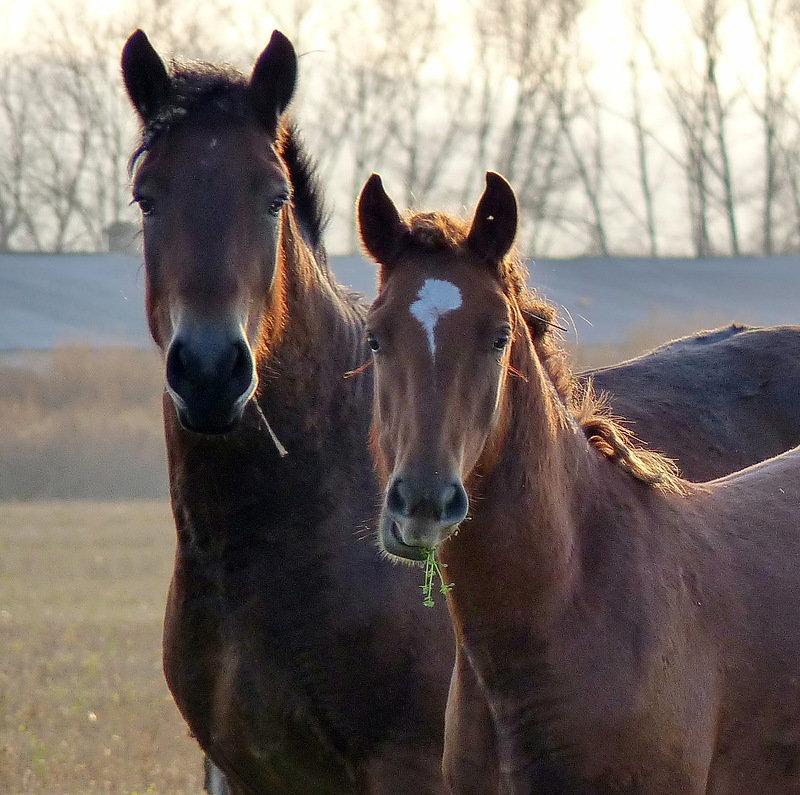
[(437, 231)]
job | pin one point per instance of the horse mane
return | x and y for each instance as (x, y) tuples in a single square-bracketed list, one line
[(307, 195), (436, 231)]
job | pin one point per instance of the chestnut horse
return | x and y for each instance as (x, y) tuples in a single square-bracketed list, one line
[(283, 646), (632, 632)]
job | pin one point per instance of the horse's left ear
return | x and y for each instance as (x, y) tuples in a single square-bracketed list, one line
[(273, 80), (494, 225), (383, 231)]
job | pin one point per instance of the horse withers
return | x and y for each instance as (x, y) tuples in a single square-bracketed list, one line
[(631, 631)]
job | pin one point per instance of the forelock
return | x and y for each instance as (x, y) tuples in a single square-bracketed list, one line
[(195, 85)]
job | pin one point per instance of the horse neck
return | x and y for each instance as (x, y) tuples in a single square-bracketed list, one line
[(528, 498), (317, 339)]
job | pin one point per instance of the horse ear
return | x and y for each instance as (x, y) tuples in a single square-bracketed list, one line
[(146, 79), (382, 229), (273, 80), (494, 225)]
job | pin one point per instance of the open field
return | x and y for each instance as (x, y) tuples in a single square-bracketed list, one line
[(82, 423), (83, 704)]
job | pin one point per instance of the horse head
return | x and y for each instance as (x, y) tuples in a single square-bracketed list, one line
[(213, 193), (439, 331)]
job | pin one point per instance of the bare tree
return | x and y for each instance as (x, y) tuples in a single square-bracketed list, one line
[(641, 132), (580, 117), (525, 50), (383, 89), (773, 108), (370, 111), (16, 130)]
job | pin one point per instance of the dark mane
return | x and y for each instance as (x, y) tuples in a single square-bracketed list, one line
[(195, 85), (309, 202), (435, 231)]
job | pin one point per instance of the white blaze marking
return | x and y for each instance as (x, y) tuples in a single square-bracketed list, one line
[(435, 299)]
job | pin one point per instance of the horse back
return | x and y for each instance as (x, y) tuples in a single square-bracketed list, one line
[(716, 402)]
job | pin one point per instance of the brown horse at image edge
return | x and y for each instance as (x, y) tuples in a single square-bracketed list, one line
[(632, 632)]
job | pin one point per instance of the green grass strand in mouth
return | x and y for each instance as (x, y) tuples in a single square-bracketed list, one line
[(433, 568)]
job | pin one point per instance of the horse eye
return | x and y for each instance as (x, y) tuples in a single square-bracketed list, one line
[(373, 343), (276, 204), (500, 342), (146, 205)]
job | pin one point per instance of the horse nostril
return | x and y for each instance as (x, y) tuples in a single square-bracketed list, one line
[(397, 499), (455, 504), (176, 364), (210, 377), (242, 366), (446, 505), (209, 366)]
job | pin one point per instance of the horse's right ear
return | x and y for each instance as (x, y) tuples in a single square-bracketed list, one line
[(146, 79), (273, 80), (383, 231)]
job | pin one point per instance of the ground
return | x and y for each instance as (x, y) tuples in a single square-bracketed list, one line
[(83, 704)]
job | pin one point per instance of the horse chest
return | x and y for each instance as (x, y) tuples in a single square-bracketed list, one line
[(576, 727), (563, 756), (271, 631), (251, 688)]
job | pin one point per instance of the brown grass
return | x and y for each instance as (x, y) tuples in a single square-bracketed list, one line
[(83, 704), (79, 423)]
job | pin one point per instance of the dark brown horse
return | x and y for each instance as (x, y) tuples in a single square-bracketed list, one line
[(716, 402), (283, 645), (632, 632)]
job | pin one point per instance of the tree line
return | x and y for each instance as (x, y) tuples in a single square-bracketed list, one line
[(627, 127)]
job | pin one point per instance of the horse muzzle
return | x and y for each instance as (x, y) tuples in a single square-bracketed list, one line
[(210, 379), (416, 517)]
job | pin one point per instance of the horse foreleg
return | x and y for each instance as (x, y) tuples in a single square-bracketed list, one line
[(470, 746)]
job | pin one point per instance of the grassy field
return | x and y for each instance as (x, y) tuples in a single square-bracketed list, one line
[(80, 423), (83, 704)]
